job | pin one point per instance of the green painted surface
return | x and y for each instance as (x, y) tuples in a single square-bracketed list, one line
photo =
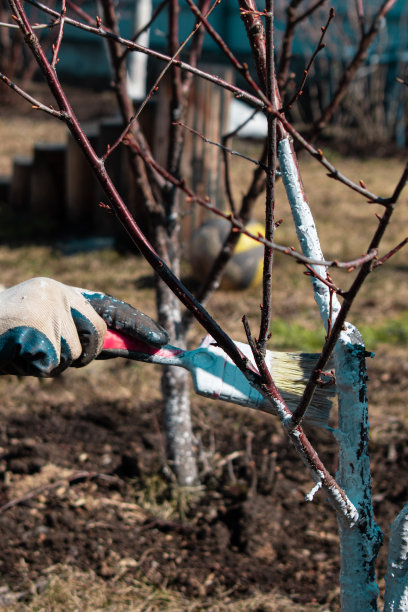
[(84, 55)]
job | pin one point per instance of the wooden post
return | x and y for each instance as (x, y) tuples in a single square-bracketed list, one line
[(208, 116), (80, 185), (48, 182), (5, 184), (19, 198)]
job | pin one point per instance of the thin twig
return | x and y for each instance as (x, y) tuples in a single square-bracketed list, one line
[(220, 146), (332, 170), (287, 43), (318, 471), (241, 68), (309, 11), (320, 46), (350, 70), (240, 227), (360, 15), (326, 281), (227, 173), (37, 26), (155, 13), (171, 63), (390, 254), (57, 45), (79, 11), (269, 54), (400, 185), (36, 104)]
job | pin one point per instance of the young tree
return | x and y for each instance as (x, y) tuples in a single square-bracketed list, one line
[(161, 188)]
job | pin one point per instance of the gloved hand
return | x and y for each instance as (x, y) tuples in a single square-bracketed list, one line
[(46, 326)]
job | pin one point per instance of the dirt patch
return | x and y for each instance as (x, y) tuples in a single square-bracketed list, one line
[(91, 494)]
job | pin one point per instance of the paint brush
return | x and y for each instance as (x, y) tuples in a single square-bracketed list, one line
[(216, 376)]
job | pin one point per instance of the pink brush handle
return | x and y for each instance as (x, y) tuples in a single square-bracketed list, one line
[(115, 341)]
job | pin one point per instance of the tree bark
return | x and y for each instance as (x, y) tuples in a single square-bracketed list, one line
[(176, 396), (359, 544), (396, 578)]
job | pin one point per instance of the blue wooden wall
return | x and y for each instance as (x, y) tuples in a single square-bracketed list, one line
[(83, 56)]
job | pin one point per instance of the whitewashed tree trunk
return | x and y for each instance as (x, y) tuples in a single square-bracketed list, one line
[(359, 545), (176, 396), (396, 579)]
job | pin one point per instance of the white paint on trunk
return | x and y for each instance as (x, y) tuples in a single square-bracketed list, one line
[(359, 542), (176, 397), (396, 579), (305, 226), (309, 497)]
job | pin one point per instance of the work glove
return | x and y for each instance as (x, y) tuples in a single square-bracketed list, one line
[(46, 326)]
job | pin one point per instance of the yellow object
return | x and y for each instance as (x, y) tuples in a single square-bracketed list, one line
[(245, 243), (246, 265)]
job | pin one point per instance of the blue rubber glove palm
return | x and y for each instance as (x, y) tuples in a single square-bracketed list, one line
[(46, 326)]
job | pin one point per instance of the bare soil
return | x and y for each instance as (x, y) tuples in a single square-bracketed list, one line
[(83, 485)]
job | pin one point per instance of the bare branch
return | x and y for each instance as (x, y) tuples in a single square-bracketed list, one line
[(239, 226), (393, 251), (104, 33), (241, 68), (57, 45), (269, 55), (155, 13), (172, 63), (256, 36), (310, 458), (360, 15), (309, 11), (256, 162), (320, 46), (326, 281), (333, 172), (400, 186), (351, 69), (36, 104), (37, 26), (287, 43)]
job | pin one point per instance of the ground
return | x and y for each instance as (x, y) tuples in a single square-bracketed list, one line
[(88, 520)]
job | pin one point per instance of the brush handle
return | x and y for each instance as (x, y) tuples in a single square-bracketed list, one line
[(118, 345)]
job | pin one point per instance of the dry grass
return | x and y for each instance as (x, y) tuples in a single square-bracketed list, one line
[(346, 223), (70, 590)]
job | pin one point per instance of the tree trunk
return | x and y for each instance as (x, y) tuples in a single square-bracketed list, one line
[(359, 545), (176, 396), (396, 578)]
